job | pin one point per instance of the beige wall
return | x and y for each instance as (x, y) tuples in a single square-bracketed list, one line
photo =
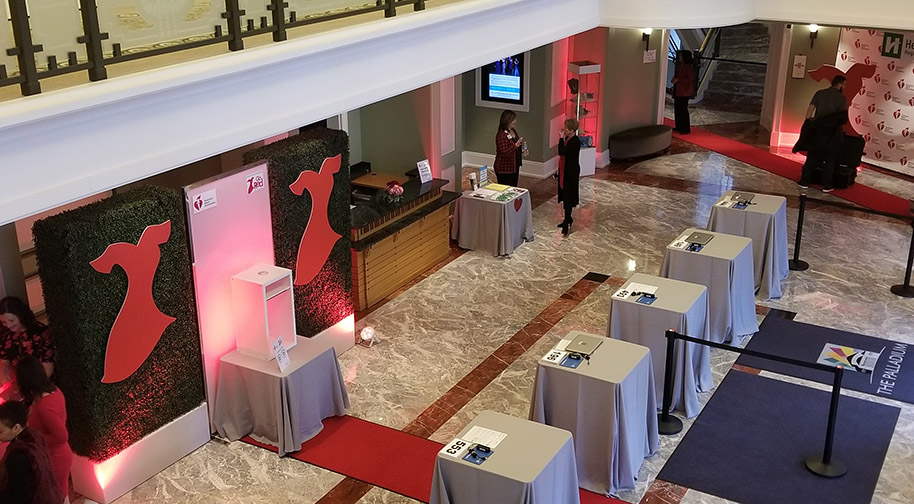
[(798, 92), (394, 131)]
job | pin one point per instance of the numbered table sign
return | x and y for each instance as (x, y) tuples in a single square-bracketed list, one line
[(282, 355), (455, 448)]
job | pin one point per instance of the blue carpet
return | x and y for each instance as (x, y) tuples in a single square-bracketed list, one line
[(750, 442), (891, 377)]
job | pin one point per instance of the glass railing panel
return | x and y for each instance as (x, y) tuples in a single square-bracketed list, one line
[(6, 42), (142, 25), (308, 9), (56, 25)]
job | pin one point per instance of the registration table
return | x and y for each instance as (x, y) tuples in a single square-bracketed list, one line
[(724, 266), (495, 220), (676, 305), (609, 406), (283, 409), (532, 464), (764, 220)]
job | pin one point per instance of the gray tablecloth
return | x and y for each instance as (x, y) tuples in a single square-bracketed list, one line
[(282, 409), (765, 222), (682, 307), (610, 408), (495, 226), (534, 464), (724, 266)]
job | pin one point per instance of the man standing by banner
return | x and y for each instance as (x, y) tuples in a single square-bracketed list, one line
[(825, 116)]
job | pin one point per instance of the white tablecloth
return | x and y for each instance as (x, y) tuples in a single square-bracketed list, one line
[(680, 306), (534, 464), (764, 220), (724, 266), (282, 409), (608, 405), (498, 227)]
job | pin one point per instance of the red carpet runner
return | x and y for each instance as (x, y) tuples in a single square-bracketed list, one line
[(382, 456), (860, 194)]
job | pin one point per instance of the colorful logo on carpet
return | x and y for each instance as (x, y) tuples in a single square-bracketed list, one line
[(853, 359)]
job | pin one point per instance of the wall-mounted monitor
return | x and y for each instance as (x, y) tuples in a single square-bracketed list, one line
[(505, 83)]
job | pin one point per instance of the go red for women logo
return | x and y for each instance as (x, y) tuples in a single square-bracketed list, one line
[(139, 324)]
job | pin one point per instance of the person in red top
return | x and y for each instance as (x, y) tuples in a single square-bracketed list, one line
[(47, 415), (21, 335), (25, 471), (508, 153), (683, 89)]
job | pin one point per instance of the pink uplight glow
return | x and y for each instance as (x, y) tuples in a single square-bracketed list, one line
[(349, 323), (107, 470)]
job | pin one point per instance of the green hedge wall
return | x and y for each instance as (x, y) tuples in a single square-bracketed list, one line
[(82, 305), (328, 298)]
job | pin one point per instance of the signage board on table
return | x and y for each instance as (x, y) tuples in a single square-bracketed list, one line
[(282, 355), (425, 171), (483, 175)]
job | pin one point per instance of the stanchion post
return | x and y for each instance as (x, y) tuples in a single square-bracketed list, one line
[(825, 465), (668, 424), (796, 264), (905, 289)]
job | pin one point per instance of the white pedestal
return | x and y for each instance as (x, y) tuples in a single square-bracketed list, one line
[(102, 482), (588, 160), (264, 309)]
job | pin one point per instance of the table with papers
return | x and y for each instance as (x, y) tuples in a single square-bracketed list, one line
[(281, 408), (764, 220), (676, 305), (724, 266), (609, 406), (530, 463), (495, 218)]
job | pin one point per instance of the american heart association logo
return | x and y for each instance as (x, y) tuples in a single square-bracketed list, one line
[(858, 120), (198, 202), (862, 91), (871, 32), (903, 161), (857, 43), (887, 96), (844, 56), (905, 132), (877, 77), (878, 154), (911, 101), (890, 65), (871, 108), (891, 143), (867, 61), (897, 113), (867, 137), (881, 125), (900, 84)]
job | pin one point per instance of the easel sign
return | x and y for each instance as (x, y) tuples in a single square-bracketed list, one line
[(282, 356), (425, 171)]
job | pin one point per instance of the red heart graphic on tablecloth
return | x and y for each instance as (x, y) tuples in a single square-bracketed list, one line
[(517, 204)]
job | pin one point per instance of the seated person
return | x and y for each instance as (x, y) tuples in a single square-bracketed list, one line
[(21, 335), (25, 470)]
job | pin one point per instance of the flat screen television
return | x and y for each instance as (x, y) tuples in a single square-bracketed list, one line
[(504, 83)]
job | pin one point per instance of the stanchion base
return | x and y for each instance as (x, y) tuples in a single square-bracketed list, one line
[(834, 469), (670, 426), (797, 265), (903, 290)]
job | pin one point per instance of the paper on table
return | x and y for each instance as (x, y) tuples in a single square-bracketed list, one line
[(680, 242), (485, 193), (562, 344), (483, 436), (642, 288), (497, 187)]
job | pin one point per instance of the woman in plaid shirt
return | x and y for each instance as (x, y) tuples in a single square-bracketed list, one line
[(508, 153)]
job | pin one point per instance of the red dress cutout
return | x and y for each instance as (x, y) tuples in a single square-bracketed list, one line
[(139, 324), (48, 415), (318, 236)]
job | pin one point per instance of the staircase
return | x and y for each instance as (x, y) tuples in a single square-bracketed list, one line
[(739, 87)]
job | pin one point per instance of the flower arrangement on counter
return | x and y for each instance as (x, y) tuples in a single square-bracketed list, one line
[(392, 193)]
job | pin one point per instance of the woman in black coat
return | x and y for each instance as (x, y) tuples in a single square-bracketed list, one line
[(569, 171)]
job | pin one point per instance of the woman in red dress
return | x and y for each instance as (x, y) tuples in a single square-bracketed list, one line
[(47, 415)]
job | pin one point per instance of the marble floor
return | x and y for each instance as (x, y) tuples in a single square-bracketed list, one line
[(499, 315)]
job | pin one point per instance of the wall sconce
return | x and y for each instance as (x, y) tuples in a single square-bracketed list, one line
[(813, 33), (646, 37)]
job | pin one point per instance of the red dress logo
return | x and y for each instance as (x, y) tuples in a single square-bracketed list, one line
[(319, 238), (139, 325), (854, 75)]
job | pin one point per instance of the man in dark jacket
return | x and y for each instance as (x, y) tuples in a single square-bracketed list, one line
[(822, 133)]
